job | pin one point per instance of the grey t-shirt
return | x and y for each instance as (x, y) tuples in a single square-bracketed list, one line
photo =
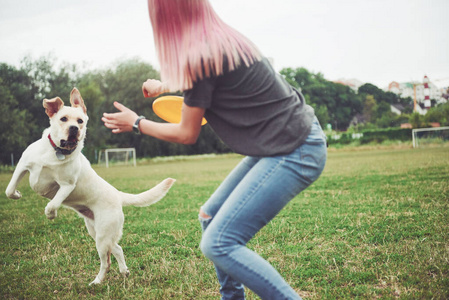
[(253, 110)]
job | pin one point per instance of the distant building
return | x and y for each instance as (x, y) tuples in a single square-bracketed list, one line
[(397, 108), (408, 89)]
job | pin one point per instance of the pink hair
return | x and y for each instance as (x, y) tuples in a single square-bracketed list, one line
[(192, 42)]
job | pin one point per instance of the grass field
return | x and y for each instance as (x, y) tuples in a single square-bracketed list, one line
[(375, 225)]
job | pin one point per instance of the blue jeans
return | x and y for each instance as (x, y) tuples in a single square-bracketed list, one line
[(250, 196)]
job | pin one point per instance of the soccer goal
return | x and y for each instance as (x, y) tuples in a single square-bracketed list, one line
[(427, 136), (119, 156)]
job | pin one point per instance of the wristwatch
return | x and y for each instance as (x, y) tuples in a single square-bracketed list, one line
[(136, 125)]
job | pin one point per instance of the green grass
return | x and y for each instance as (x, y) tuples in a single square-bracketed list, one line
[(375, 225)]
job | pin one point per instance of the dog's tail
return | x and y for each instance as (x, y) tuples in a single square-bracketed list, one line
[(151, 196)]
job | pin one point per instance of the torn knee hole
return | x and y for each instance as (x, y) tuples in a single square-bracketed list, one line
[(203, 215)]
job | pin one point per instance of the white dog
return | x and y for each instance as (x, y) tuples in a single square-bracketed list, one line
[(60, 172)]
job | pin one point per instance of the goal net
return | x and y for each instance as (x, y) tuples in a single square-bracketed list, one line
[(117, 156), (428, 136)]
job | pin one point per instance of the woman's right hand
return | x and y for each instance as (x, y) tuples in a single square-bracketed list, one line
[(121, 121), (153, 88)]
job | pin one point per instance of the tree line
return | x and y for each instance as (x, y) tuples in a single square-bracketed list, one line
[(23, 88), (338, 105)]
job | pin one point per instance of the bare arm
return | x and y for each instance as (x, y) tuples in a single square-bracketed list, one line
[(186, 132)]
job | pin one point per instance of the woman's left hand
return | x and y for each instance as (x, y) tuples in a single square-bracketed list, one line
[(153, 88), (122, 121)]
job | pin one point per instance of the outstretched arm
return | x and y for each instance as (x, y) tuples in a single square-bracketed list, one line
[(185, 132)]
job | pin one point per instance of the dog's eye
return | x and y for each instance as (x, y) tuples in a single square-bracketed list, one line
[(63, 119), (80, 121)]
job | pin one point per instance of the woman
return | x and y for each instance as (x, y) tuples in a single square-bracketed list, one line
[(254, 111)]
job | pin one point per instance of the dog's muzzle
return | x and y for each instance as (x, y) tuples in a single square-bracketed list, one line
[(72, 139)]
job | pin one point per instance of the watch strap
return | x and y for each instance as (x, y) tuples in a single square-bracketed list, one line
[(136, 128)]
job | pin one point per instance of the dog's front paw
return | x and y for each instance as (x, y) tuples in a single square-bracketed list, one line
[(51, 211), (15, 195)]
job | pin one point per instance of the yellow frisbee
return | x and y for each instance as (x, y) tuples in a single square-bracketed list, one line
[(169, 108)]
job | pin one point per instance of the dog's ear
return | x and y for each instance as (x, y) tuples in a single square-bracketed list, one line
[(76, 100), (52, 106)]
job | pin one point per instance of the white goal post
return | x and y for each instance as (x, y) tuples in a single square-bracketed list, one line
[(418, 134), (118, 155)]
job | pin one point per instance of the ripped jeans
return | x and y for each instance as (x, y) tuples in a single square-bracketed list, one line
[(250, 196)]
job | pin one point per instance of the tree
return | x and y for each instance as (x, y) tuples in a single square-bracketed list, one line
[(19, 84), (334, 103), (298, 78), (45, 81), (417, 120), (17, 123), (14, 124), (439, 113), (123, 83), (369, 108), (383, 108), (97, 135), (321, 113), (390, 119), (370, 89)]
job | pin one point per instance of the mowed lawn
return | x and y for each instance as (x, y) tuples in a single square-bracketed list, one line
[(375, 225)]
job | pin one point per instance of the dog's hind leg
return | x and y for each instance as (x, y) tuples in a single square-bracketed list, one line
[(117, 251), (104, 251), (108, 230)]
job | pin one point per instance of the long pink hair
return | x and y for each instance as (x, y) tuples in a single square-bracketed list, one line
[(192, 42)]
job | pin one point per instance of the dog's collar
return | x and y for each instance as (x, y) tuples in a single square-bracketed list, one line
[(60, 152)]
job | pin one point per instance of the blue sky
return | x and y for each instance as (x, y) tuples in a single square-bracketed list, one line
[(374, 41)]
